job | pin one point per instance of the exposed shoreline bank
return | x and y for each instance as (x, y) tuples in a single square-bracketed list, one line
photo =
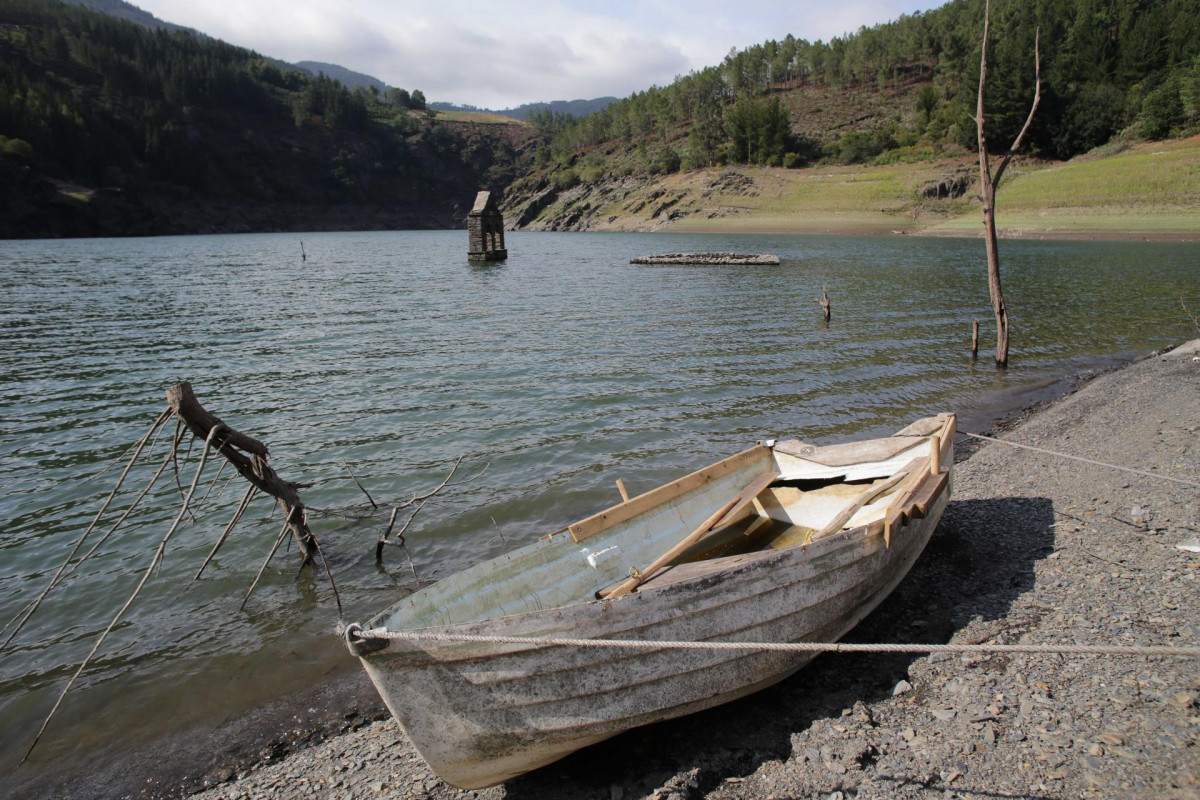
[(1022, 555), (295, 727), (1146, 191), (886, 227)]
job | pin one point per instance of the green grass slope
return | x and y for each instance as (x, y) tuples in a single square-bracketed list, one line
[(1150, 190)]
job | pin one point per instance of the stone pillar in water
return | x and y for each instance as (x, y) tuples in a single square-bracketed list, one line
[(485, 230)]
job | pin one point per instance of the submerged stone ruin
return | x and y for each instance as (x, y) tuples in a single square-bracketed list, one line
[(485, 230)]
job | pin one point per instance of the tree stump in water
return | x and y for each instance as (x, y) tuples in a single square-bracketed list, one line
[(249, 458)]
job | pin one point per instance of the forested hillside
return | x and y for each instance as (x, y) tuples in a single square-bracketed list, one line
[(107, 127), (902, 91)]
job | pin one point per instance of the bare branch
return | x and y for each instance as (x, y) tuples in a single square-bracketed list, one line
[(411, 517), (358, 513), (384, 539), (278, 541), (360, 486), (440, 486), (216, 478), (984, 167), (27, 612), (158, 553), (237, 515), (337, 597), (1037, 97), (175, 456), (157, 424), (113, 529), (420, 500)]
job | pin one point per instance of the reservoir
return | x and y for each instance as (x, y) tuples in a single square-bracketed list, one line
[(550, 375)]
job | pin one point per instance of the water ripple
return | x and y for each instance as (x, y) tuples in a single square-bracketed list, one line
[(564, 368)]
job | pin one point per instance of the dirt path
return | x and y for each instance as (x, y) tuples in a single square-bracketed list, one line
[(1031, 549)]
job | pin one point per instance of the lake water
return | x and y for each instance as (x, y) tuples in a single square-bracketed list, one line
[(560, 370)]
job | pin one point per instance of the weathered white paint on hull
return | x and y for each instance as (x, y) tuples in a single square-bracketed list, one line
[(483, 713)]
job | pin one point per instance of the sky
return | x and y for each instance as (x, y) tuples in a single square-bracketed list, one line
[(504, 53)]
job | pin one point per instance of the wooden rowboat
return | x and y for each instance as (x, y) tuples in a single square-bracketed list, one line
[(785, 542)]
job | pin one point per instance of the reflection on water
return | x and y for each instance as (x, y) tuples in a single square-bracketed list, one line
[(563, 369)]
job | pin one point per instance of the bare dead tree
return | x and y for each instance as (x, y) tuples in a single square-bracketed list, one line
[(249, 458), (989, 181)]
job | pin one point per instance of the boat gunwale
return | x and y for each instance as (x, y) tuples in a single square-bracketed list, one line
[(444, 652)]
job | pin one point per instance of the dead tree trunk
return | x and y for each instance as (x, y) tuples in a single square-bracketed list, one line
[(988, 182), (249, 457)]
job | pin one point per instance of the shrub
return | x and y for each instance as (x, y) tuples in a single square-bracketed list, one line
[(1162, 110), (565, 178), (16, 147)]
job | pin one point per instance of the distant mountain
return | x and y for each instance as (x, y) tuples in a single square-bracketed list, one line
[(347, 77), (131, 13), (576, 108), (127, 11)]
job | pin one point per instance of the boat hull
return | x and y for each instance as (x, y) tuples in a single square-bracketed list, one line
[(482, 713)]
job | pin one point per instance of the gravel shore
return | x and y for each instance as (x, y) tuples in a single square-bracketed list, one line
[(1032, 548)]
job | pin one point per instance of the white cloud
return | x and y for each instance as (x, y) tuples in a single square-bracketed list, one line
[(503, 54)]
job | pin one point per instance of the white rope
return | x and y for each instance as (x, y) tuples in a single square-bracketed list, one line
[(1081, 458), (787, 647)]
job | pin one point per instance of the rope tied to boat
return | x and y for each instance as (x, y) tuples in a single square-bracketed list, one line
[(1118, 467), (366, 640)]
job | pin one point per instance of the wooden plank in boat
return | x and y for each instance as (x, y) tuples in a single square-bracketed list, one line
[(927, 493), (949, 430), (619, 513), (746, 498), (698, 569)]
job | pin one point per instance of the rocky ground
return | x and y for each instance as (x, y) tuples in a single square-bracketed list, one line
[(1032, 548)]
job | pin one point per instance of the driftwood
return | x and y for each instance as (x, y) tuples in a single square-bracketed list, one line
[(249, 458)]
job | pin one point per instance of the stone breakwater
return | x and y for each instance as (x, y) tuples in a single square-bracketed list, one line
[(719, 259), (1031, 549)]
